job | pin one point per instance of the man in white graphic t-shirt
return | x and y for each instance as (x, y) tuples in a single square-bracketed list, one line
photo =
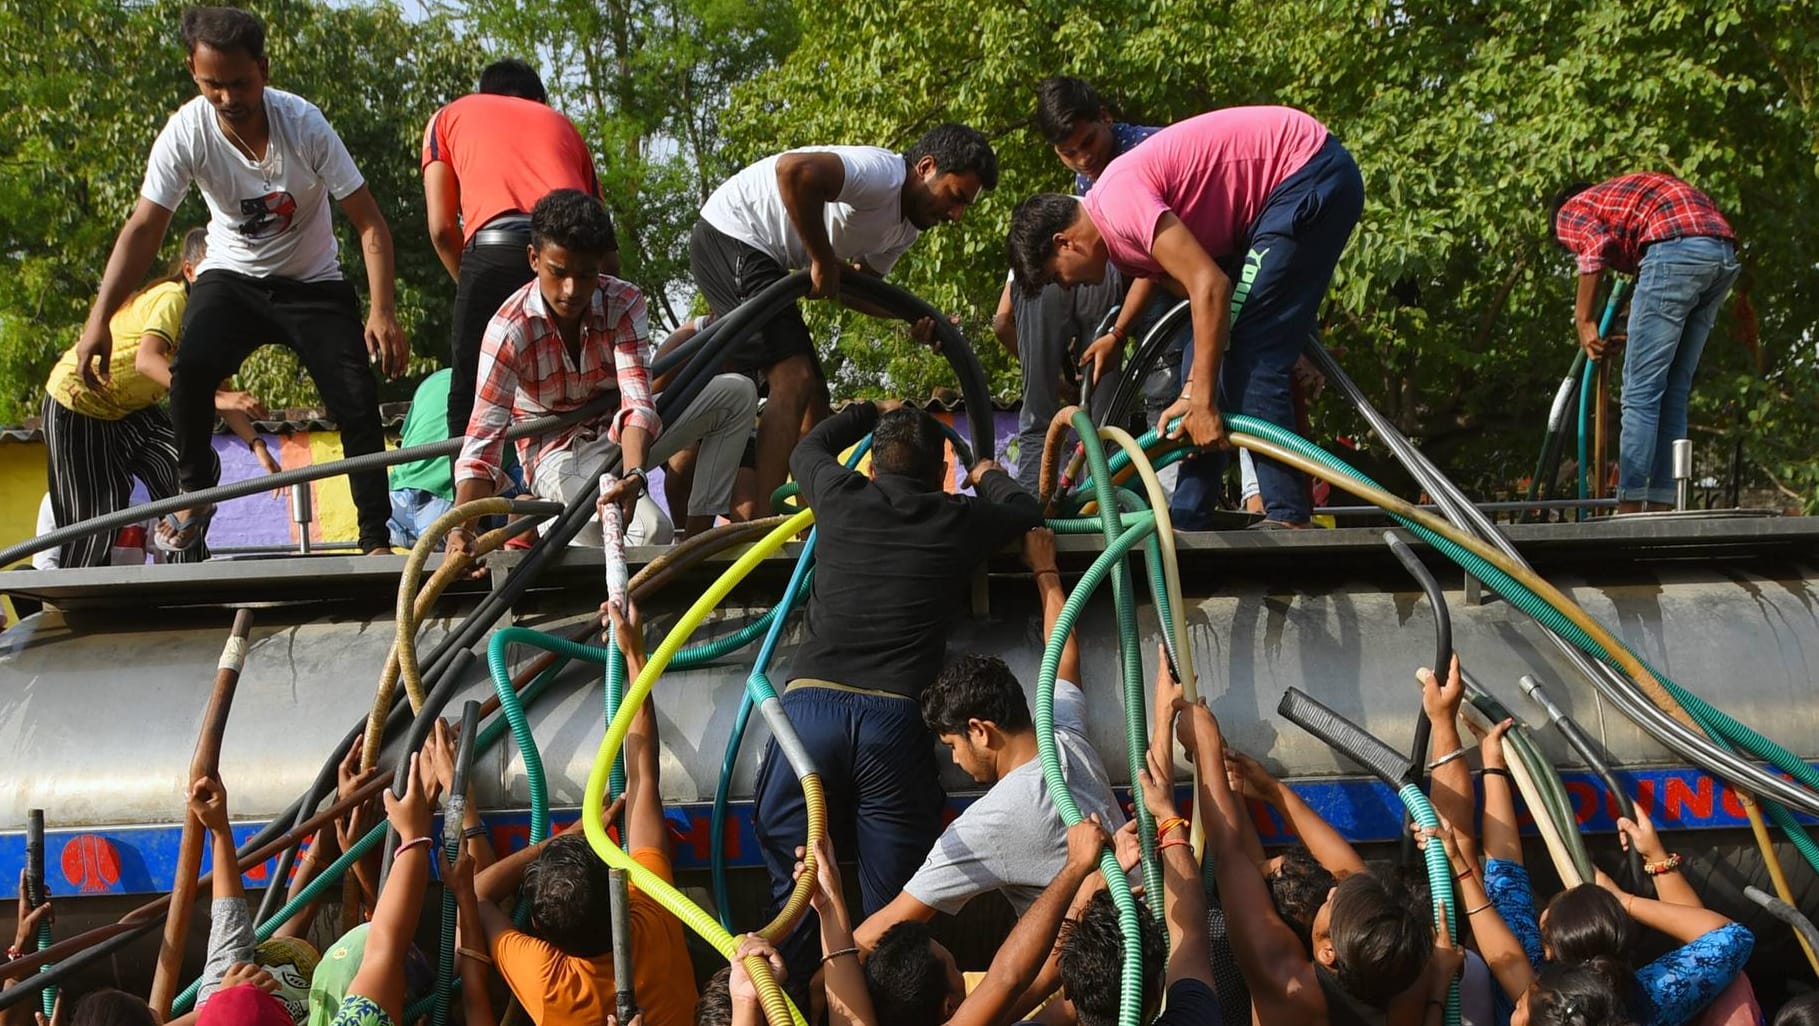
[(267, 163), (831, 210)]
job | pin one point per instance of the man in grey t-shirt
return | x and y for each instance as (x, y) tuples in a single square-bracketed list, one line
[(1011, 839)]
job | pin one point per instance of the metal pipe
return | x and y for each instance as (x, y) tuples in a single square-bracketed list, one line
[(205, 763), (302, 513), (1581, 743), (1512, 506), (1683, 473)]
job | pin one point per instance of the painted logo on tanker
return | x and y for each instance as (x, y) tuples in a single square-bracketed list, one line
[(142, 860)]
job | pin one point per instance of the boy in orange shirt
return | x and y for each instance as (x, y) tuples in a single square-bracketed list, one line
[(561, 970)]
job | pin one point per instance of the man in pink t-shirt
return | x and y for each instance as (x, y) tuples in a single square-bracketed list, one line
[(1244, 212)]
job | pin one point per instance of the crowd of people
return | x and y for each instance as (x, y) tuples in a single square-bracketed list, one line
[(1244, 212)]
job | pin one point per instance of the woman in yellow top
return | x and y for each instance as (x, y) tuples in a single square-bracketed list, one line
[(102, 438)]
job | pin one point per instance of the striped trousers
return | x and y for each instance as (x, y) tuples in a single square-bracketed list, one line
[(92, 466)]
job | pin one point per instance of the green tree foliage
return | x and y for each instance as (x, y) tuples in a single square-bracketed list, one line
[(88, 86), (1452, 308), (647, 82)]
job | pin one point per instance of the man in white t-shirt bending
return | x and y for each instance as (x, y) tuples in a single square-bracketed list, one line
[(267, 163), (831, 209), (1011, 839)]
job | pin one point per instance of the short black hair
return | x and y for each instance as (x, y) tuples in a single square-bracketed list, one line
[(975, 687), (1031, 244), (1596, 993), (1381, 939), (1063, 102), (575, 221), (908, 984), (957, 149), (1092, 961), (223, 28), (1298, 888), (112, 1008), (909, 442), (1587, 922), (1561, 199), (567, 887), (513, 77), (715, 1008), (1800, 1011)]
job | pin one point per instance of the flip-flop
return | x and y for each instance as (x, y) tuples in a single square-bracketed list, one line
[(196, 524)]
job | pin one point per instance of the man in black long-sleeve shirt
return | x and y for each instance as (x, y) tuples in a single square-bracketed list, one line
[(892, 556)]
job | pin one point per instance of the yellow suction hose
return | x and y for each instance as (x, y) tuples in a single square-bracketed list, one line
[(1177, 607), (778, 1009), (1626, 662)]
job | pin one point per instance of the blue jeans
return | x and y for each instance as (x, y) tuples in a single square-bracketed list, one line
[(1293, 247), (1679, 288), (884, 801), (413, 510)]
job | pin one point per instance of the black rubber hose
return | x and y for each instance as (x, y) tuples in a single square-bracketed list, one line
[(1786, 913), (1547, 467), (1130, 380), (1443, 662)]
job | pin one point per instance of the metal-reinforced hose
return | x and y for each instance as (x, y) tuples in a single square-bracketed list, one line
[(1803, 927), (778, 1008), (1130, 1007), (1581, 743), (1136, 715), (454, 813), (1547, 466)]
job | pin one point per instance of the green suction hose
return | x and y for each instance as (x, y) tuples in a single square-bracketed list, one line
[(1130, 1007), (1588, 378), (1136, 718), (1440, 881)]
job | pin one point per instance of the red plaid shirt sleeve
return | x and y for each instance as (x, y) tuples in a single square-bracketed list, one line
[(630, 337), (494, 393), (1590, 241)]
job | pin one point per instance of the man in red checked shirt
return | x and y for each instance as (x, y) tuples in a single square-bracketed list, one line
[(1683, 254), (566, 338)]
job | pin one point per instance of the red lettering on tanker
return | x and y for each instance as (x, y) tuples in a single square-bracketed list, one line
[(1584, 798), (1681, 803), (90, 863), (1731, 804)]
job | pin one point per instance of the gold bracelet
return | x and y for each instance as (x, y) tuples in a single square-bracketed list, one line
[(1480, 908), (830, 956)]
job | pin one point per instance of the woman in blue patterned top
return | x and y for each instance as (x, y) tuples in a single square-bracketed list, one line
[(1597, 921)]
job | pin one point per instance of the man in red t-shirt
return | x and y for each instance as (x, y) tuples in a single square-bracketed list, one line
[(487, 159)]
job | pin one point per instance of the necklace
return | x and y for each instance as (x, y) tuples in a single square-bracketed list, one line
[(269, 165)]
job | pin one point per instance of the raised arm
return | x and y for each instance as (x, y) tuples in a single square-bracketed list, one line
[(1500, 838), (1327, 845), (1671, 885), (849, 1003), (473, 942), (1451, 784), (815, 463), (388, 938), (1021, 955), (1039, 556), (1269, 955), (386, 344), (1004, 323), (1184, 897), (134, 250), (809, 182), (230, 934), (644, 823), (1680, 922), (1498, 945)]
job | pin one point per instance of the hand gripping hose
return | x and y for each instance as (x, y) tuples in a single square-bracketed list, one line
[(777, 1006), (484, 740), (1394, 769), (612, 533), (1130, 1008), (454, 813), (1589, 375), (1136, 717), (34, 891)]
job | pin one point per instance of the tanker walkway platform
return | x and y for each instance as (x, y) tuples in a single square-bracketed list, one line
[(1768, 545)]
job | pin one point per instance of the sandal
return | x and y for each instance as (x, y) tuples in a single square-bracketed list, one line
[(176, 534)]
